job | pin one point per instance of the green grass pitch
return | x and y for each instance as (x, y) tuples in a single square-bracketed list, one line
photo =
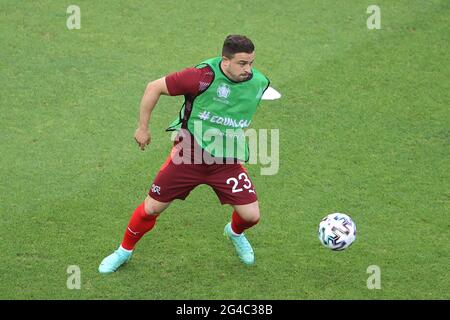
[(364, 129)]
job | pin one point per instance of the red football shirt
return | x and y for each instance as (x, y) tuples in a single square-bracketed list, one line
[(189, 82)]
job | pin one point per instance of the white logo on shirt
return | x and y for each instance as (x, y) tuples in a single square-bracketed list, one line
[(223, 91)]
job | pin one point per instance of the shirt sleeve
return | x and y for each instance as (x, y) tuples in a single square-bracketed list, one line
[(184, 82)]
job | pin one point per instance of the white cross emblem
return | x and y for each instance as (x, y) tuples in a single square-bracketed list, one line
[(156, 189)]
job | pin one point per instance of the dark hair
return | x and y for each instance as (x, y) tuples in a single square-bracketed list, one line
[(235, 43)]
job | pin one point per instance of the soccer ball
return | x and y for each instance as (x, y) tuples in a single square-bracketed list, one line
[(337, 231)]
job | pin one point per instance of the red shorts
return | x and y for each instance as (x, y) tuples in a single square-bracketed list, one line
[(230, 182)]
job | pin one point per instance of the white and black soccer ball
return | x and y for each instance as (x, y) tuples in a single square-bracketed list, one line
[(337, 231)]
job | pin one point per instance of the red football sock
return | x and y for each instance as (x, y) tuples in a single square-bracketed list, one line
[(238, 225), (140, 223)]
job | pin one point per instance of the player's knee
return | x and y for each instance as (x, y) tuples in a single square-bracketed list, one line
[(254, 217), (152, 211), (153, 207), (249, 213)]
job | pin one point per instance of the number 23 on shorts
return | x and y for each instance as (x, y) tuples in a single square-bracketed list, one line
[(242, 178)]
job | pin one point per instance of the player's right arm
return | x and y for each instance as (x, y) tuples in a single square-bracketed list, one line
[(187, 82), (151, 96)]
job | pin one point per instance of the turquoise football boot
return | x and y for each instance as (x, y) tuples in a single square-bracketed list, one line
[(243, 247), (112, 262)]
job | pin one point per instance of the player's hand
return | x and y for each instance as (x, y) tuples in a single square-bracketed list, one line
[(142, 137)]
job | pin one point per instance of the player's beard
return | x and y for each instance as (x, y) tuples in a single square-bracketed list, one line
[(240, 77), (244, 76)]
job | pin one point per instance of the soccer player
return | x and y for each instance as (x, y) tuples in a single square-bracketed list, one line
[(221, 96)]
